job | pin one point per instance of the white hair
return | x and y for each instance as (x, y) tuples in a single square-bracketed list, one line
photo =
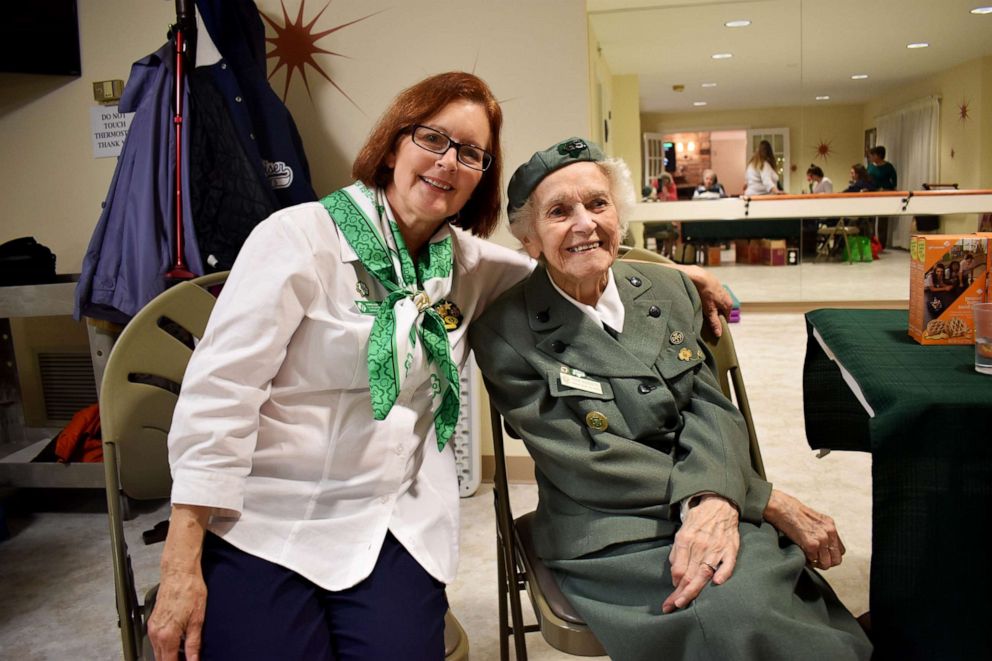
[(621, 190)]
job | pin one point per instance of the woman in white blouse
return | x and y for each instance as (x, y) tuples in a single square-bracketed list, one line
[(761, 175), (315, 499)]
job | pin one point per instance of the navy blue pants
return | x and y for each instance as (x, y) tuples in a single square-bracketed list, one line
[(260, 610)]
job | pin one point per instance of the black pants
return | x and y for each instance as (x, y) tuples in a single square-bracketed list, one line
[(260, 610)]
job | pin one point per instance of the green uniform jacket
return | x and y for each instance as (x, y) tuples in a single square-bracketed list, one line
[(621, 430)]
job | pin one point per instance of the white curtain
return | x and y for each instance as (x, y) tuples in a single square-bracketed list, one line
[(911, 137)]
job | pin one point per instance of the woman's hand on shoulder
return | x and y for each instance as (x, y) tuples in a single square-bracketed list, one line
[(815, 533), (705, 549)]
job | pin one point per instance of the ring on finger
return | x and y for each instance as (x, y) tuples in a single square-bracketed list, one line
[(713, 567)]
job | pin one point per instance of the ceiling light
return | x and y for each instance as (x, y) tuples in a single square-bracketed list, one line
[(918, 44), (699, 103), (722, 56), (708, 85), (982, 10), (859, 76), (823, 98), (738, 24)]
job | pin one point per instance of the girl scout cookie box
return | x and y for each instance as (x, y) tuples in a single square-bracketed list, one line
[(947, 274)]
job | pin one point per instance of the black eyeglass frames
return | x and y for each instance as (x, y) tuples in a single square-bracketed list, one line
[(436, 142)]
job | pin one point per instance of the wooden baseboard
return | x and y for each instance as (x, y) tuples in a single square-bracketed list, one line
[(803, 307), (519, 470)]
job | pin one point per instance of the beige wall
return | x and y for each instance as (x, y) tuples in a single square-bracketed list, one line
[(841, 126), (52, 187)]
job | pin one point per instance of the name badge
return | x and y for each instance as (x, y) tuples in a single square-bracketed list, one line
[(579, 383)]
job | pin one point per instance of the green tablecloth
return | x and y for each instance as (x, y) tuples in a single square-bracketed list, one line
[(909, 386), (931, 444)]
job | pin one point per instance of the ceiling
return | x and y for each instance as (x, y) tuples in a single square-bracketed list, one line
[(793, 51)]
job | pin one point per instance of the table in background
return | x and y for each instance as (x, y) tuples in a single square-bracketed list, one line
[(926, 417)]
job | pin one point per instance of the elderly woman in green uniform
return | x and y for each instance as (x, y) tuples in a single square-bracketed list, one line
[(654, 523)]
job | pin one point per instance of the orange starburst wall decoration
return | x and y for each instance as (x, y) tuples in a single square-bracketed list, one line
[(963, 111), (295, 46), (823, 150)]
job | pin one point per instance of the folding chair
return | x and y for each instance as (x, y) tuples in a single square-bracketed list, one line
[(519, 567), (138, 395)]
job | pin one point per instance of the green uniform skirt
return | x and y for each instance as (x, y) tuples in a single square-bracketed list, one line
[(773, 607)]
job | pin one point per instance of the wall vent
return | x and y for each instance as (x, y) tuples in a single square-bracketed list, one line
[(67, 384)]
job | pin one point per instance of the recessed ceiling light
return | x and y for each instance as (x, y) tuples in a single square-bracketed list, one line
[(699, 103), (859, 76), (738, 24), (982, 10), (722, 56), (824, 97), (918, 44), (708, 85)]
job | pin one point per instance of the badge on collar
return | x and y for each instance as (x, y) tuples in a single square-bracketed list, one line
[(362, 288), (685, 353), (450, 314)]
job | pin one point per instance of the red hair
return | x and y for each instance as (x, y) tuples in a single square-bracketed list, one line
[(415, 105)]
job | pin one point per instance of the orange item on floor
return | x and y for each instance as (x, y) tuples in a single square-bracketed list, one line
[(80, 440)]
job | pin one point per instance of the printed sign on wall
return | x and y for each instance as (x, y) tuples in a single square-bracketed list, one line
[(108, 128)]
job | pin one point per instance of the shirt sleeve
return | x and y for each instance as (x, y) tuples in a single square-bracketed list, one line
[(215, 424)]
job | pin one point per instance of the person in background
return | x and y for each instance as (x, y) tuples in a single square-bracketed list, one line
[(650, 516), (761, 175), (968, 265), (710, 189), (817, 182), (667, 192), (881, 171), (860, 181)]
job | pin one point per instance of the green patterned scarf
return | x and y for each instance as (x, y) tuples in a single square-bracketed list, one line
[(406, 313)]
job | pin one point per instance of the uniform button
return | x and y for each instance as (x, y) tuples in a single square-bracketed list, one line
[(596, 420), (558, 346), (238, 99), (543, 316), (634, 280), (251, 135), (644, 388), (223, 65), (654, 311)]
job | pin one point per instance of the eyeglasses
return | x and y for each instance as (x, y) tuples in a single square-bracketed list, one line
[(436, 142)]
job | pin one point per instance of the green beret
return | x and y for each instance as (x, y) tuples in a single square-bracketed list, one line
[(530, 174)]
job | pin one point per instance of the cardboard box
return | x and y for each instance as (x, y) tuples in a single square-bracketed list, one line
[(773, 252), (741, 251), (754, 251), (947, 275), (713, 255)]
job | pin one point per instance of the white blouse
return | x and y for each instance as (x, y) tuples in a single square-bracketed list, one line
[(760, 182), (274, 424)]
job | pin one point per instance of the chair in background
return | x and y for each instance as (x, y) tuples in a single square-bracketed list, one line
[(139, 392), (519, 567)]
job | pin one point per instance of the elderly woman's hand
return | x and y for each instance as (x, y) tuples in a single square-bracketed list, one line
[(815, 533), (182, 594), (715, 299), (705, 549)]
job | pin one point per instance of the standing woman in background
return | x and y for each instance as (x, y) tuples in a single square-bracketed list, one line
[(315, 496), (761, 175)]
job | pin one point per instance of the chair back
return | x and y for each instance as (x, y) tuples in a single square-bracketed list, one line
[(137, 397)]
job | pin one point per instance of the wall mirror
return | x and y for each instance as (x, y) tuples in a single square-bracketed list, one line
[(829, 76)]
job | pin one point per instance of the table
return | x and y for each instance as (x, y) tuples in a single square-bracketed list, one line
[(926, 416)]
